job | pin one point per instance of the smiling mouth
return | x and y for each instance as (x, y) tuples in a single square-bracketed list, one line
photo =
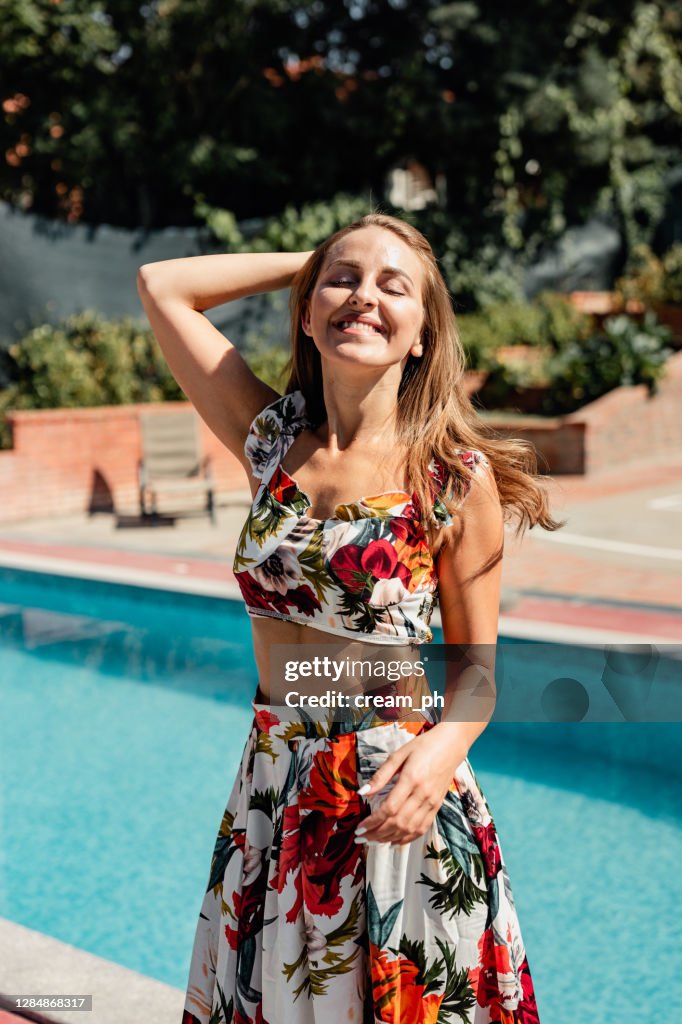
[(359, 326)]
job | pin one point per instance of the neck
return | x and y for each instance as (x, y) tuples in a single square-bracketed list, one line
[(360, 412)]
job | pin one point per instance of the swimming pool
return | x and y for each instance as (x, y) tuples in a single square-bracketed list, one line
[(124, 713)]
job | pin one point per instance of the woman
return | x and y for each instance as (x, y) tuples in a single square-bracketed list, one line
[(357, 875)]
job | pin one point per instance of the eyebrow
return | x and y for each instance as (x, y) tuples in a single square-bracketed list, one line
[(358, 266)]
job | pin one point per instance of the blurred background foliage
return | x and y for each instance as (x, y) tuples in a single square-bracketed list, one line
[(565, 356), (547, 358), (530, 117), (274, 123)]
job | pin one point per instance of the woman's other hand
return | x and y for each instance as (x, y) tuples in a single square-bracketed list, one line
[(427, 765)]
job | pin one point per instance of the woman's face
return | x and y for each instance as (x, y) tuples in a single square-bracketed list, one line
[(366, 305)]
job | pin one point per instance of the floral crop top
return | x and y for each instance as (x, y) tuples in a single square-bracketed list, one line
[(365, 573)]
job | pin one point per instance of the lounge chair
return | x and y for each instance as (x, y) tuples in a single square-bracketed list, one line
[(172, 459)]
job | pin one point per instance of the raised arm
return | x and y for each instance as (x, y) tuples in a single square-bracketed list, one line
[(208, 368)]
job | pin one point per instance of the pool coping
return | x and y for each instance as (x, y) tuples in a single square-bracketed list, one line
[(509, 625), (127, 575), (35, 964)]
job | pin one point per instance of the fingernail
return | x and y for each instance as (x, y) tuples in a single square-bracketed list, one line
[(364, 789), (360, 831)]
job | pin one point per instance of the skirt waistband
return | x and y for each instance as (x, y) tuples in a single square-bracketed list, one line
[(289, 723)]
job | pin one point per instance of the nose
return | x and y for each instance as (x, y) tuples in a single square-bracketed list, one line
[(364, 294)]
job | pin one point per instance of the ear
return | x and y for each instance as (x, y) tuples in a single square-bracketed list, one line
[(417, 349), (305, 318)]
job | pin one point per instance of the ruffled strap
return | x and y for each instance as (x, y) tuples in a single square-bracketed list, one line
[(474, 460), (273, 432)]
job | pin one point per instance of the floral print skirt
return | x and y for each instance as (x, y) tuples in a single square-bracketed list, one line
[(301, 925)]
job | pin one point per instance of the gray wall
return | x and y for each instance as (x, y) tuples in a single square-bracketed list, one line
[(49, 269)]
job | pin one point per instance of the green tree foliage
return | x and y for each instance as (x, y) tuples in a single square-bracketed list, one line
[(532, 115), (122, 109), (290, 231)]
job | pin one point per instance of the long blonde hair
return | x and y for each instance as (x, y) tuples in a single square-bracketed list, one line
[(435, 416)]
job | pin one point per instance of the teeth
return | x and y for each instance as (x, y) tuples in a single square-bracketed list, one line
[(359, 326)]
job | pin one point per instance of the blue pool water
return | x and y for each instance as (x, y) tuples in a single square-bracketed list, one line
[(124, 713)]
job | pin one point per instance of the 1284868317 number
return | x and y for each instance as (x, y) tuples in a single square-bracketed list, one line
[(38, 1002)]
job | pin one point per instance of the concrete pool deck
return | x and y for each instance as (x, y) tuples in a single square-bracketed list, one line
[(613, 574), (34, 964)]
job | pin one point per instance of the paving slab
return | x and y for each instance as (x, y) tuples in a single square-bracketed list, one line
[(34, 964)]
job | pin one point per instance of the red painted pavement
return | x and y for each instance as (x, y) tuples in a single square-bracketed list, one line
[(558, 571), (175, 565), (624, 620)]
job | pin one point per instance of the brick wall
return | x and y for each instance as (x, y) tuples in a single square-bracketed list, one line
[(628, 424), (75, 460), (622, 426)]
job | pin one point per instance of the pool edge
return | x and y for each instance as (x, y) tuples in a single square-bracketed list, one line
[(126, 575), (509, 625)]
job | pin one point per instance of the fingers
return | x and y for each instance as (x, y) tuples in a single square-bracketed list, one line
[(391, 802), (385, 773), (404, 815), (411, 824)]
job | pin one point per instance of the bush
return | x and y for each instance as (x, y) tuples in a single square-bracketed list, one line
[(652, 280), (623, 352), (561, 354), (84, 360), (498, 326), (548, 323)]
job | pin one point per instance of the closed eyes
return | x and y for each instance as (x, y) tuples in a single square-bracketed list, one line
[(347, 283)]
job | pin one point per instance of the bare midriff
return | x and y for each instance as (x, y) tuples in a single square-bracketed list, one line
[(267, 632), (270, 632)]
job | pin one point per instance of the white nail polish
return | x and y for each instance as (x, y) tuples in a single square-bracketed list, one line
[(364, 789), (360, 831)]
